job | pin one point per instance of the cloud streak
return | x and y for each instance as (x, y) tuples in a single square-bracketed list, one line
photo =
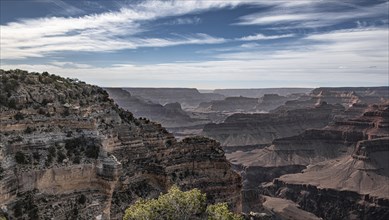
[(313, 14), (264, 37), (100, 32), (329, 59)]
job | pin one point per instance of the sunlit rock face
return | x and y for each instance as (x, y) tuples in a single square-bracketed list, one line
[(347, 170), (345, 96), (68, 152)]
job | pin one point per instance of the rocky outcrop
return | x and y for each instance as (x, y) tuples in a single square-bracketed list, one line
[(293, 154), (263, 128), (169, 115), (286, 209), (257, 93), (68, 152), (272, 101), (354, 187), (231, 104), (186, 97), (245, 104), (346, 96)]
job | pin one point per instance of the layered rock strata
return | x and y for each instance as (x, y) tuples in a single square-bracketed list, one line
[(354, 187), (256, 129), (346, 96), (185, 96), (169, 115), (68, 152), (293, 154)]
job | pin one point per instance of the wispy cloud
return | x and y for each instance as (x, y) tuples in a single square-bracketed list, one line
[(100, 32), (264, 37), (63, 8), (338, 58), (184, 21), (313, 14)]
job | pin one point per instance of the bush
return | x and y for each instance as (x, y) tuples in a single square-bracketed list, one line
[(169, 143), (12, 103), (20, 158), (1, 174), (29, 130), (220, 211), (92, 151), (19, 116), (61, 156), (177, 204)]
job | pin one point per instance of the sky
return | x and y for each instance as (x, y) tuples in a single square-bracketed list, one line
[(203, 44)]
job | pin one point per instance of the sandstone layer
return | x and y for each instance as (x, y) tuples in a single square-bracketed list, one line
[(185, 96), (68, 152), (353, 187), (257, 129)]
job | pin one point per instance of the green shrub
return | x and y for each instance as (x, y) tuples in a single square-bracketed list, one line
[(19, 116), (220, 211), (61, 156), (177, 204), (29, 130), (1, 175), (21, 158), (92, 151)]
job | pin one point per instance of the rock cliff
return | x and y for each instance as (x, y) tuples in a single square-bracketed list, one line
[(245, 104), (353, 187), (230, 104), (346, 96), (169, 115), (257, 93), (185, 96), (295, 153), (256, 129), (68, 152)]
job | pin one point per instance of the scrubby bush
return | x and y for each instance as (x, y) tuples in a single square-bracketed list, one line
[(177, 204), (21, 158), (61, 156), (29, 130), (19, 116), (92, 151)]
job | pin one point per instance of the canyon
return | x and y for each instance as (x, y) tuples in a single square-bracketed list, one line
[(284, 144), (70, 150)]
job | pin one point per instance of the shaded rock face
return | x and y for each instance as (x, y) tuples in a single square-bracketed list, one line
[(293, 154), (346, 96), (185, 96), (256, 93), (68, 152), (255, 129), (286, 209), (231, 104), (354, 187), (170, 115), (245, 104), (272, 101)]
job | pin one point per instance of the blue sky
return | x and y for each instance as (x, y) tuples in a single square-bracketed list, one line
[(204, 44)]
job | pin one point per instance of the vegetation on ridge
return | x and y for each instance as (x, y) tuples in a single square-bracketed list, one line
[(176, 204)]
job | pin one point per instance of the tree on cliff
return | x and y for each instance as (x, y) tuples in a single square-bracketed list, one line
[(177, 204)]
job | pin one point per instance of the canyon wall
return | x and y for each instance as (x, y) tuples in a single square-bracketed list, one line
[(68, 152)]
